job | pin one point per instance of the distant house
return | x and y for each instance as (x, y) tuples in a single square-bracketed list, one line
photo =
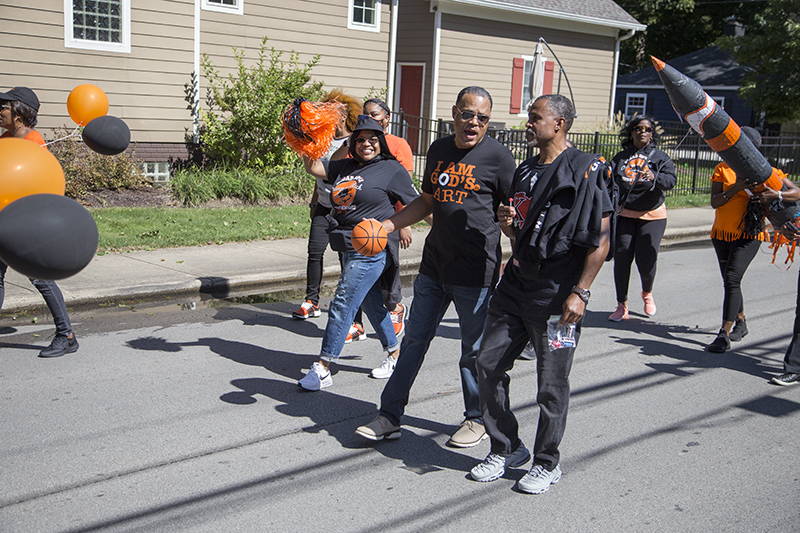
[(641, 91)]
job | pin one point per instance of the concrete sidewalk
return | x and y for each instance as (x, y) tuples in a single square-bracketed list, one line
[(242, 266)]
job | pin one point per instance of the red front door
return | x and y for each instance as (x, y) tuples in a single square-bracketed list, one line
[(411, 80)]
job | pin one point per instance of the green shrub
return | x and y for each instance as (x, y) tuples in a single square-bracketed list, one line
[(194, 186), (86, 171), (241, 125)]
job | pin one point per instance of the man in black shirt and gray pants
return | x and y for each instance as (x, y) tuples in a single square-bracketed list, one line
[(467, 176), (559, 220)]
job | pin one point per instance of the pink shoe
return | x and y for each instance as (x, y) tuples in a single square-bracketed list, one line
[(620, 314), (649, 303)]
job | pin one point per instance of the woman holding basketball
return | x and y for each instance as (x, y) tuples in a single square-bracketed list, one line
[(365, 186)]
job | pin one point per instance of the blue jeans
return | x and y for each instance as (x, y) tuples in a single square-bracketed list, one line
[(358, 286), (431, 300)]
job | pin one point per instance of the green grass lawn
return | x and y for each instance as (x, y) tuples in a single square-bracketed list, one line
[(150, 228)]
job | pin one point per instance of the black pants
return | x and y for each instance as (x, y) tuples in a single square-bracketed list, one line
[(791, 362), (511, 322), (636, 239), (317, 242), (734, 257), (52, 297)]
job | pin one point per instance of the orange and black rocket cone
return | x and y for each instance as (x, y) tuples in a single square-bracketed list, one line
[(716, 127)]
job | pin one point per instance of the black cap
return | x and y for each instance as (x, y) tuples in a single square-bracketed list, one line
[(22, 94), (753, 135), (366, 122)]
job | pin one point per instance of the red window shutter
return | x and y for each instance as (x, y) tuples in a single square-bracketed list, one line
[(547, 82), (516, 85)]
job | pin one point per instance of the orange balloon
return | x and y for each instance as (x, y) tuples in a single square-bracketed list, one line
[(86, 102), (27, 168)]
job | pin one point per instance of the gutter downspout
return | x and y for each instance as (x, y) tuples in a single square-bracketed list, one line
[(392, 54), (616, 72), (437, 46), (196, 66)]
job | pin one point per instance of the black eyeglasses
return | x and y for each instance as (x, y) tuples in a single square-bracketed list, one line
[(469, 115), (643, 129), (5, 106), (370, 140)]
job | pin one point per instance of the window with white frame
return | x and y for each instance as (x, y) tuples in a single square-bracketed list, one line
[(635, 104), (156, 171), (720, 100), (364, 15), (526, 84), (98, 25), (224, 6)]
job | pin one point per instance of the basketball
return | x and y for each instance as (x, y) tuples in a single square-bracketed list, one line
[(368, 237)]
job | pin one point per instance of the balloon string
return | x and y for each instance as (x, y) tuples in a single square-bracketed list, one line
[(73, 134)]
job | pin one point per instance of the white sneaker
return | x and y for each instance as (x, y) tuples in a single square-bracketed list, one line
[(317, 378), (538, 480), (386, 369)]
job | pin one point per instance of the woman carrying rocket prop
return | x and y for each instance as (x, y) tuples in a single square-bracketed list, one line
[(725, 137)]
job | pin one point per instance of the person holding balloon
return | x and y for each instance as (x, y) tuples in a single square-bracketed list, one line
[(365, 186), (19, 110)]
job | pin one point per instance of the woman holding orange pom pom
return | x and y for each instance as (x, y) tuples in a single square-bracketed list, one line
[(366, 185), (321, 203)]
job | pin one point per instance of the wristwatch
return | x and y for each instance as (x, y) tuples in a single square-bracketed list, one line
[(584, 294)]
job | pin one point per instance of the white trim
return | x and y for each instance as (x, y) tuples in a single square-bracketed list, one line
[(125, 31), (720, 100), (613, 100), (705, 87), (437, 50), (238, 9), (399, 78), (516, 10), (351, 25), (196, 68), (392, 52)]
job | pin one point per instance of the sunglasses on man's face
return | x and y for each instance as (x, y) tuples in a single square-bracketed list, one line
[(643, 129), (469, 115)]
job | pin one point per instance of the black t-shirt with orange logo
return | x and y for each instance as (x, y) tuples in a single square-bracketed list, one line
[(463, 246), (365, 192)]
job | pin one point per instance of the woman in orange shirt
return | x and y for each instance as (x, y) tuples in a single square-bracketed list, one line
[(730, 195), (19, 109)]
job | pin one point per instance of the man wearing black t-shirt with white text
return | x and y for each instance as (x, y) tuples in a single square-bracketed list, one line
[(467, 176), (559, 220)]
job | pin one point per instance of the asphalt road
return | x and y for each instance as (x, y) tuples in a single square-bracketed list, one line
[(185, 416)]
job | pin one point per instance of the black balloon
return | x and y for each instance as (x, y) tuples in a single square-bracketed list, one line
[(107, 135), (47, 236)]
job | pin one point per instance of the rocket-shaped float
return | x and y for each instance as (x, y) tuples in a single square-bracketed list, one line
[(716, 127)]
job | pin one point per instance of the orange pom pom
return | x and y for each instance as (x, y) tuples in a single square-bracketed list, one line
[(368, 237), (309, 127)]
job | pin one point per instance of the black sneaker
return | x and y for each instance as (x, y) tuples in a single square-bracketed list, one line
[(721, 344), (788, 378), (60, 346), (739, 330)]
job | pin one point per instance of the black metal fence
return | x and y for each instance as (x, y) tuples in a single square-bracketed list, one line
[(694, 160)]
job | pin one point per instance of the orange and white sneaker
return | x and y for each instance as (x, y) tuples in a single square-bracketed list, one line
[(356, 333), (307, 310), (399, 319), (649, 303), (620, 314)]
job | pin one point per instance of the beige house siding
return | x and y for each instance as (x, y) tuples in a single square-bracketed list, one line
[(481, 53), (145, 87)]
